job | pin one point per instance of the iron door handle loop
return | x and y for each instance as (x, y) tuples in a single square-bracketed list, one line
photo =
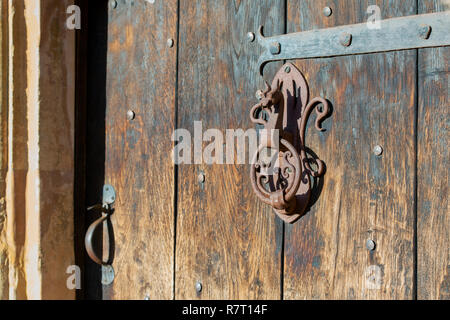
[(88, 239), (284, 182), (283, 198), (109, 197)]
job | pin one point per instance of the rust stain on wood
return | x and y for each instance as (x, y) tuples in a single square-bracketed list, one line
[(121, 41)]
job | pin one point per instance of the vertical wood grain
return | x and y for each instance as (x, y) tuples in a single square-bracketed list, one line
[(51, 136), (226, 238), (433, 214), (362, 196), (141, 76), (4, 43), (80, 149), (17, 145)]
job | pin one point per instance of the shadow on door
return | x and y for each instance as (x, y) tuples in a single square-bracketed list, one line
[(90, 138)]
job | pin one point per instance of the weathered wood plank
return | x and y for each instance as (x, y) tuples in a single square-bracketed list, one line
[(4, 267), (17, 146), (80, 141), (141, 76), (362, 196), (433, 214), (226, 238), (55, 94)]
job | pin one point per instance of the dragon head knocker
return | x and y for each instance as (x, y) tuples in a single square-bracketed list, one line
[(270, 98), (281, 172)]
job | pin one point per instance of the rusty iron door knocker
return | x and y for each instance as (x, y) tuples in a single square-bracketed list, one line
[(109, 197), (281, 177)]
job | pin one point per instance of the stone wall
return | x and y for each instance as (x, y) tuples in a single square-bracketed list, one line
[(37, 72)]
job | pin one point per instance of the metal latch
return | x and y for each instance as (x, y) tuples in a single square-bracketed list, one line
[(410, 32), (108, 199), (281, 169)]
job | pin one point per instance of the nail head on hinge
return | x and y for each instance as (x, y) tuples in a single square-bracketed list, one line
[(201, 178), (275, 48), (327, 11), (287, 69), (370, 245), (424, 31), (378, 150), (131, 115), (345, 39), (251, 36)]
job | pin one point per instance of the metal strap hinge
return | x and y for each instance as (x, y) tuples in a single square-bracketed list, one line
[(410, 32)]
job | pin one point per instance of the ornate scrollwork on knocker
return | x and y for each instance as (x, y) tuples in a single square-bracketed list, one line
[(281, 169)]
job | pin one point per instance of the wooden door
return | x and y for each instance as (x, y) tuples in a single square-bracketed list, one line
[(197, 231)]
